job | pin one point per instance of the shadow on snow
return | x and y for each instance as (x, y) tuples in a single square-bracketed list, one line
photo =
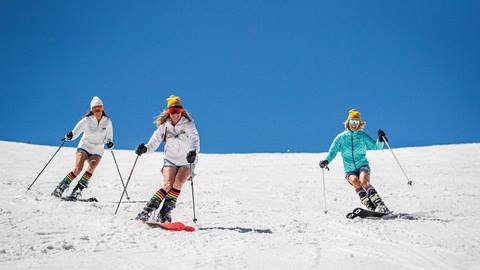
[(237, 229)]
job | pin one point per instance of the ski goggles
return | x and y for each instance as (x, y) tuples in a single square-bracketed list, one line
[(175, 109), (354, 122)]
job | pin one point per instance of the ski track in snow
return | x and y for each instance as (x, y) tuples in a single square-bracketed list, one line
[(255, 211)]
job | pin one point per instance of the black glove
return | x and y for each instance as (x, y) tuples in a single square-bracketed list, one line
[(191, 156), (141, 149), (323, 164), (381, 136), (109, 145), (68, 136)]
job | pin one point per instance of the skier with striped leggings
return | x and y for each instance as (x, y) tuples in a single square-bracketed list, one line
[(176, 130), (97, 131)]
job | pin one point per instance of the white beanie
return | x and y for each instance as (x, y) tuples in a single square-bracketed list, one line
[(96, 101)]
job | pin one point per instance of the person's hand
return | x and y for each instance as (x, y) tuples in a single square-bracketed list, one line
[(109, 145), (191, 156), (68, 136), (141, 149), (323, 164), (381, 136)]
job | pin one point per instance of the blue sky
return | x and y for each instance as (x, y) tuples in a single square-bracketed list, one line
[(258, 76)]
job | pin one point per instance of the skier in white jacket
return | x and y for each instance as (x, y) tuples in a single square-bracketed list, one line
[(176, 129), (97, 131)]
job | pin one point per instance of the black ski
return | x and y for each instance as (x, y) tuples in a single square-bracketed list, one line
[(364, 213), (92, 199)]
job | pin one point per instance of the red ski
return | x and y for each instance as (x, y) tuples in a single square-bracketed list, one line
[(175, 226)]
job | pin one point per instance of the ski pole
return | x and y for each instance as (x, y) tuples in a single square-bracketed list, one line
[(61, 145), (126, 185), (324, 192), (409, 182), (193, 195), (121, 179)]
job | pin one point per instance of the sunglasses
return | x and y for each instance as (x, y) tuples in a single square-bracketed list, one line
[(97, 109), (175, 109), (354, 122)]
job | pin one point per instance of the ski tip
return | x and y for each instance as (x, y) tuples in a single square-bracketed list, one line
[(354, 213), (189, 229), (175, 226)]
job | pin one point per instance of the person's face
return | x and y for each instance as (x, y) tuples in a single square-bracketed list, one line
[(354, 124), (97, 111), (175, 112)]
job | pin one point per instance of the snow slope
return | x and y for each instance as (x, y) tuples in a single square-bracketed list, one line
[(255, 211)]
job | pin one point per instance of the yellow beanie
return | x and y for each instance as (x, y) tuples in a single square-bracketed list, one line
[(173, 100), (354, 114)]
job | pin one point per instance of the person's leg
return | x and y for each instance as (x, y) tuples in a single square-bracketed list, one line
[(169, 173), (357, 185), (93, 162), (65, 183), (371, 192), (182, 176), (354, 181), (80, 159), (171, 199)]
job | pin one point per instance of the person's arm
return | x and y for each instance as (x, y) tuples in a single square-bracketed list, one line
[(156, 139), (194, 137), (109, 135), (371, 143), (79, 128), (334, 149)]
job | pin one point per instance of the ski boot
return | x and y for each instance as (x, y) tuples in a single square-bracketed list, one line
[(379, 204), (62, 186), (152, 205), (368, 203), (164, 214), (76, 193)]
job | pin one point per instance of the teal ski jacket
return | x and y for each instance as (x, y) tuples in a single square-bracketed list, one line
[(353, 146)]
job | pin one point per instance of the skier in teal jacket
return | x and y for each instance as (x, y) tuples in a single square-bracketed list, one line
[(353, 144)]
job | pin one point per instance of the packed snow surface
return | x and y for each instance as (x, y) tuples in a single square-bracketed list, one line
[(255, 211)]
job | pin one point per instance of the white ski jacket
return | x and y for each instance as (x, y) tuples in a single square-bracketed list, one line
[(179, 140), (95, 134)]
